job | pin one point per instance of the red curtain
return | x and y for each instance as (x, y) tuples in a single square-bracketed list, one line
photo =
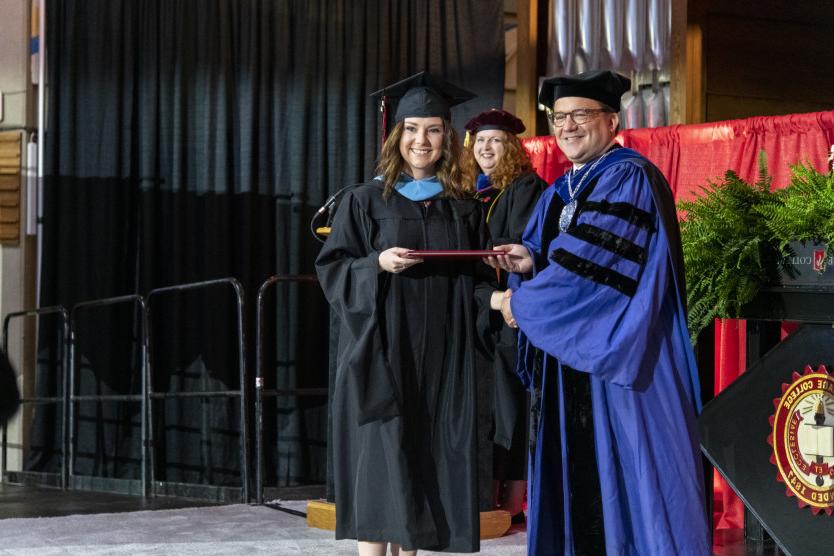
[(691, 155)]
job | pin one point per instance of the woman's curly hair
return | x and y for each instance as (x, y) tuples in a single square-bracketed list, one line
[(514, 162), (449, 171)]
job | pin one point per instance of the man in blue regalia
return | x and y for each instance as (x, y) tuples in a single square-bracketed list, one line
[(598, 295)]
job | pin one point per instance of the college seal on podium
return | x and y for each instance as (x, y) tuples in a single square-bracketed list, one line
[(802, 436)]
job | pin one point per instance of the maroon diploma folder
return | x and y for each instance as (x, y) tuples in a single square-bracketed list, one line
[(453, 254)]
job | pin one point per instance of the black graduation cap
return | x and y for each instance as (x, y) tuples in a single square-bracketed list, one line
[(603, 85), (495, 119), (422, 95)]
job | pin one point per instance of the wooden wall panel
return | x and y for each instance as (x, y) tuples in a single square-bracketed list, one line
[(766, 58), (685, 67), (527, 64), (10, 154), (723, 107)]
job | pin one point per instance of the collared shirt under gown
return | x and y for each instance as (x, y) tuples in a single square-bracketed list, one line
[(404, 404), (607, 301)]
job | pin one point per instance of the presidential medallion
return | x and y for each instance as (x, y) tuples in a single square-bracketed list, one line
[(566, 216)]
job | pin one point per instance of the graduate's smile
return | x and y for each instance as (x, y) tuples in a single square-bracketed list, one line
[(421, 145)]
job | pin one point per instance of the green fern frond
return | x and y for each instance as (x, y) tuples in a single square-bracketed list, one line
[(736, 236), (727, 253)]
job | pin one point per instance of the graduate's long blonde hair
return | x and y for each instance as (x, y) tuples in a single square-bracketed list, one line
[(449, 171)]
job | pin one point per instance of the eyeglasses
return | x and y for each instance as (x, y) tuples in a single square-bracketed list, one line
[(579, 116)]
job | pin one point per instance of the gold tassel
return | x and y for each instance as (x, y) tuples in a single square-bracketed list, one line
[(467, 139)]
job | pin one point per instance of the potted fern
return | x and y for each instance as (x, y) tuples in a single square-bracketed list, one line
[(739, 238), (728, 250), (801, 221)]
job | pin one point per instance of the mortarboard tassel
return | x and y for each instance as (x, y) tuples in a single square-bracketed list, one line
[(384, 109), (467, 139)]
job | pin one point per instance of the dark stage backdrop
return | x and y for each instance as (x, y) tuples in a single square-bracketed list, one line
[(190, 140)]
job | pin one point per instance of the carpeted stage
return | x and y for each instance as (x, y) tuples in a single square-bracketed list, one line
[(47, 522), (167, 526)]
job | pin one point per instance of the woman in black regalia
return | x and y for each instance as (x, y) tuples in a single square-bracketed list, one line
[(404, 403), (495, 160)]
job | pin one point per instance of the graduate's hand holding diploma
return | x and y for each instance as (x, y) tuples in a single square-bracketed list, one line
[(516, 259), (396, 259)]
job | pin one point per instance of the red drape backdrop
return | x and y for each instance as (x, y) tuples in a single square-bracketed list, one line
[(691, 155)]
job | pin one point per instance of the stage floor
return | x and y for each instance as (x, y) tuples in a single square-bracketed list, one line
[(72, 523), (730, 542), (21, 502), (39, 521)]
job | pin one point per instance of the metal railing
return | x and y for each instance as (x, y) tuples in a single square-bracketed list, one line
[(260, 391), (141, 398), (58, 400), (241, 392), (69, 379)]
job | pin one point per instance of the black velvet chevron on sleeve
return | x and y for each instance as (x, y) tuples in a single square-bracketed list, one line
[(624, 211), (592, 271), (611, 242)]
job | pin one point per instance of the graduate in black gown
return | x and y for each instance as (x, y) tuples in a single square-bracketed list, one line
[(506, 184), (404, 403)]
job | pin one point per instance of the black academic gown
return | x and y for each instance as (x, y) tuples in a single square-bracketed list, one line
[(404, 402), (507, 212), (9, 394)]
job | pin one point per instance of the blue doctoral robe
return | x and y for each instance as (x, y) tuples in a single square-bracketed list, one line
[(607, 298)]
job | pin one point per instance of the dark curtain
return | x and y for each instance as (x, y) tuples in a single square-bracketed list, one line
[(192, 140)]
